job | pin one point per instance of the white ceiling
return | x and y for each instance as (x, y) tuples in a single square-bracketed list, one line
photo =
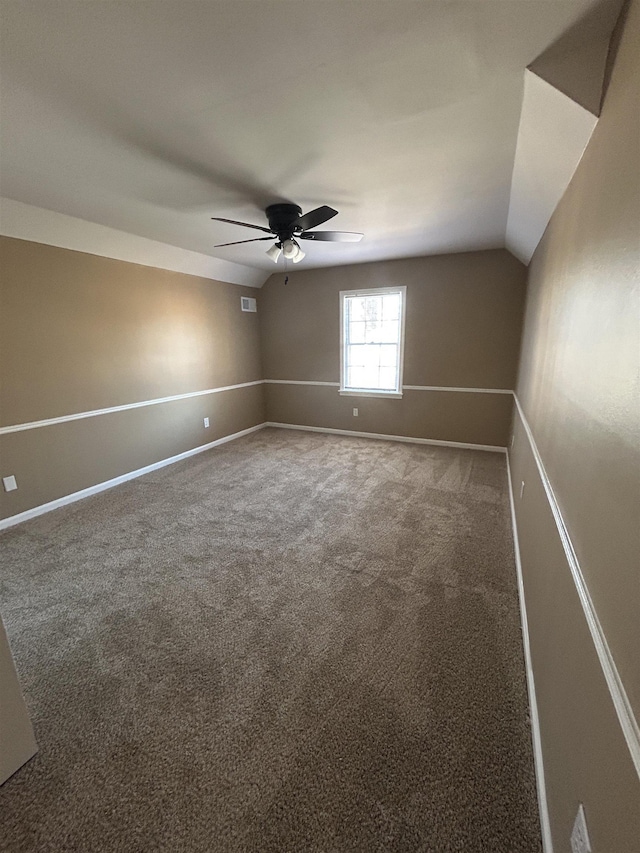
[(151, 117)]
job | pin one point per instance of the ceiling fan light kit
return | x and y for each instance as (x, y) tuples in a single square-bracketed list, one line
[(274, 252), (289, 249), (286, 223)]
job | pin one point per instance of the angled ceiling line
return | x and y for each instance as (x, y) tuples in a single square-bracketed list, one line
[(27, 222), (562, 97)]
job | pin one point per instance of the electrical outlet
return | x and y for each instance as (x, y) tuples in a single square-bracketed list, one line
[(206, 423), (9, 483), (513, 438), (580, 837), (522, 490), (355, 413)]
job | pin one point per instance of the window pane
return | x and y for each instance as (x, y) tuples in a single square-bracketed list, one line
[(372, 310), (363, 355), (391, 306), (363, 367), (355, 356), (388, 332), (371, 366), (371, 333), (358, 377), (372, 360), (355, 309), (356, 332), (388, 355), (387, 377), (365, 308)]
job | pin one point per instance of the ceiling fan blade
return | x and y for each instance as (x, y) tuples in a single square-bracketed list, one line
[(314, 218), (235, 242), (245, 224), (332, 236)]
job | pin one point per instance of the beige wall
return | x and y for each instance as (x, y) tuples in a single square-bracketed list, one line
[(80, 332), (463, 325), (579, 387), (438, 415)]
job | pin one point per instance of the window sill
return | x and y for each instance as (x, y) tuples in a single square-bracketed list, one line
[(393, 395)]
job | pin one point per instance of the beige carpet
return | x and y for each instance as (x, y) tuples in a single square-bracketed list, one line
[(295, 642)]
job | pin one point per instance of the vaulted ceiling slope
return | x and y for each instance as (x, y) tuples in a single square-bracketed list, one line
[(563, 93), (149, 118)]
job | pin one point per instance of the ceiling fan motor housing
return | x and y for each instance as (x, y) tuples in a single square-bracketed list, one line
[(281, 217)]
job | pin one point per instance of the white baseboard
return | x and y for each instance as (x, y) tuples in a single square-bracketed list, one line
[(123, 478), (139, 472), (545, 826), (384, 437)]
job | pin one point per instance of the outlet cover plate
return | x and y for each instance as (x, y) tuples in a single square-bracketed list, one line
[(579, 836), (206, 423), (9, 483)]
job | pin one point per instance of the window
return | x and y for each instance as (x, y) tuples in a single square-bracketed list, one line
[(372, 341)]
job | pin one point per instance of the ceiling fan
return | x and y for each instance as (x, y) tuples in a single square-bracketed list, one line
[(288, 225)]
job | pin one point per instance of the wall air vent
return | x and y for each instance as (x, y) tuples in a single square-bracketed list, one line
[(248, 304)]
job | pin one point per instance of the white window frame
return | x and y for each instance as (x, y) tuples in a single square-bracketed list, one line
[(356, 392)]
